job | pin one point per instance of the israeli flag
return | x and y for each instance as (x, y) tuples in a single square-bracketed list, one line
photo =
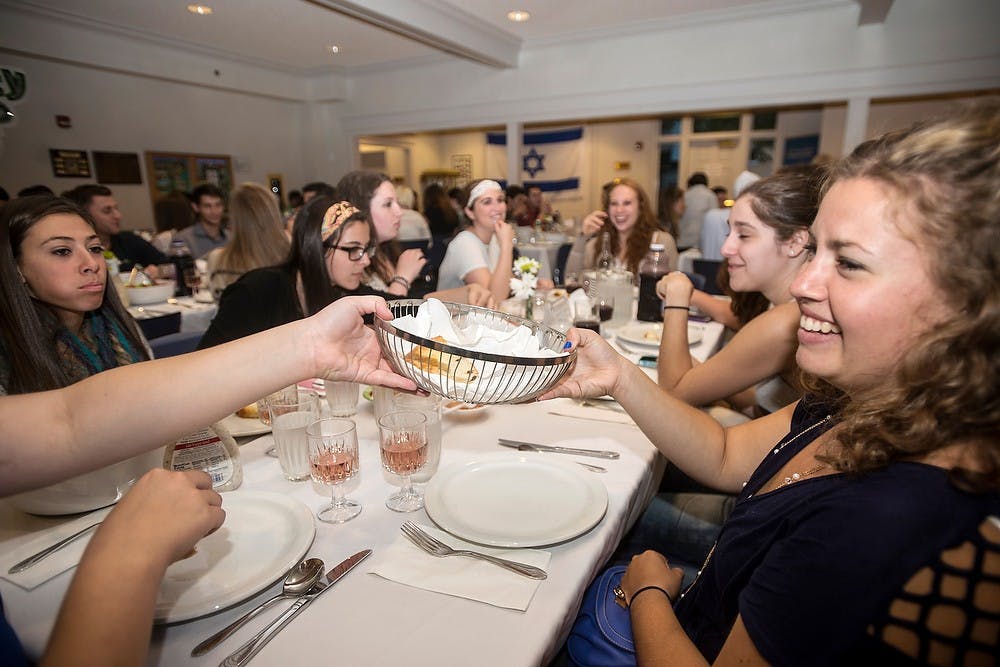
[(552, 159)]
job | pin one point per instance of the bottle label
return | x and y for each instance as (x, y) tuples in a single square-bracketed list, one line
[(206, 451)]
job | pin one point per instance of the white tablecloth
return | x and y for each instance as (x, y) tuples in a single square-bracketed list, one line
[(368, 620), (371, 621), (195, 315), (546, 253)]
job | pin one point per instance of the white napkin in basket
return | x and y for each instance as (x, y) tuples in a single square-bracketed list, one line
[(463, 577), (17, 549)]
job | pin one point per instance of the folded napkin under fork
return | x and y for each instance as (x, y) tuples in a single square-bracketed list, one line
[(473, 579), (17, 548)]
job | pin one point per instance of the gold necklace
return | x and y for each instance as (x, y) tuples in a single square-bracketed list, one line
[(796, 476)]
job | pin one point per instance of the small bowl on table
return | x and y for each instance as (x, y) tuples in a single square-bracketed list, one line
[(145, 295), (471, 376)]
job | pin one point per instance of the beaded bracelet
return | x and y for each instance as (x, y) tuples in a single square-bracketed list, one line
[(402, 281), (646, 588)]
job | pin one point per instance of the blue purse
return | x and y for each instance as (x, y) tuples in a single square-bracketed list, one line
[(602, 633)]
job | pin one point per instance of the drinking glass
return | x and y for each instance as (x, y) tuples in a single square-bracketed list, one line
[(430, 407), (342, 398), (333, 459), (289, 419), (605, 306), (587, 316), (403, 444), (290, 392)]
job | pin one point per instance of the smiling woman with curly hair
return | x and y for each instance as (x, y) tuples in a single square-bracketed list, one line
[(865, 528)]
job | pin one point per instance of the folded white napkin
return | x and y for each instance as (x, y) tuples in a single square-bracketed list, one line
[(463, 577), (21, 547), (570, 409)]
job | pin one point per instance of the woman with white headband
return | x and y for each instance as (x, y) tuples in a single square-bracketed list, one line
[(483, 253)]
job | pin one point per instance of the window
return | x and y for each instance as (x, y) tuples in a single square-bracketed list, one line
[(765, 120), (670, 162), (670, 126), (717, 123)]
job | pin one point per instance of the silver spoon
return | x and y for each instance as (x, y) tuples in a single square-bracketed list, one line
[(588, 466), (299, 580)]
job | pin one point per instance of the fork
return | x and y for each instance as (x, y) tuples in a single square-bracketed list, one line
[(436, 547)]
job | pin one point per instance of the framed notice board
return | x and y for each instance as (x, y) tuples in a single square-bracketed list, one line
[(183, 171), (69, 163)]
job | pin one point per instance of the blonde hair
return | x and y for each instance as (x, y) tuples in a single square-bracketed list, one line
[(945, 178), (258, 236)]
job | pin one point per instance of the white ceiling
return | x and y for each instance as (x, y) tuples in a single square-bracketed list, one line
[(295, 35)]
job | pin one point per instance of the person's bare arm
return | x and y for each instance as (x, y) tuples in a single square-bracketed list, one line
[(116, 414), (107, 614), (720, 310), (691, 439), (658, 635), (764, 347)]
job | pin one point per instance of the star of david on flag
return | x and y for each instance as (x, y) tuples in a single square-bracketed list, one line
[(551, 159)]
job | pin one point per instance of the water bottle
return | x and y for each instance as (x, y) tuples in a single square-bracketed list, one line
[(651, 269), (183, 262), (606, 261)]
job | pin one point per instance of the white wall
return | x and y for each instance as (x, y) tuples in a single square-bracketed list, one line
[(124, 113)]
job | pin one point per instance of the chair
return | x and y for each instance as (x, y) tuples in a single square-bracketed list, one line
[(427, 281), (697, 280), (709, 268), (174, 344), (562, 256), (161, 325)]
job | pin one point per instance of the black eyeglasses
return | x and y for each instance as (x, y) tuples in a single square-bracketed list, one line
[(355, 252)]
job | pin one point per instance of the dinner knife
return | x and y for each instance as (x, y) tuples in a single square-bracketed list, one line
[(45, 553), (598, 453), (243, 654)]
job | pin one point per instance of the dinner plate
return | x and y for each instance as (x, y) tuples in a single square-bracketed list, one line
[(240, 427), (649, 333), (515, 500), (264, 536)]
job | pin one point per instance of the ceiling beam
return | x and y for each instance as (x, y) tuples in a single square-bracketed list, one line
[(873, 11), (438, 25)]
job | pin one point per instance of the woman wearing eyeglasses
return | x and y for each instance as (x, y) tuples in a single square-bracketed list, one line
[(333, 244)]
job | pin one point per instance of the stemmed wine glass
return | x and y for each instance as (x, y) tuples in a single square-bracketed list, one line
[(403, 443), (333, 459)]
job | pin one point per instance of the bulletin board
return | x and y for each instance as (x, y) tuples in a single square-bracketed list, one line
[(184, 171)]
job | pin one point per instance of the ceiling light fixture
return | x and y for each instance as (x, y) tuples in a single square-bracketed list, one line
[(334, 49), (518, 15), (201, 10)]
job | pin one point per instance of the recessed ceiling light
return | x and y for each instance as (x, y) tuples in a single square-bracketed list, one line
[(518, 15), (334, 49), (201, 10)]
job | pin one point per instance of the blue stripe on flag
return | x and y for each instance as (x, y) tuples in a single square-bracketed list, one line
[(556, 186), (555, 137), (533, 138)]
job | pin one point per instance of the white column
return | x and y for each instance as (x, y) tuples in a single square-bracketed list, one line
[(514, 138), (856, 123)]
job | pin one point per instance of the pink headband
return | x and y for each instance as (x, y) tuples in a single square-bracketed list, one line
[(336, 216)]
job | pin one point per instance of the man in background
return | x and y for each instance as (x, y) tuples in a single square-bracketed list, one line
[(208, 231), (130, 248), (698, 200)]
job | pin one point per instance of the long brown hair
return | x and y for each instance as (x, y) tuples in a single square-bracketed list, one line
[(944, 179), (645, 226), (28, 327)]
